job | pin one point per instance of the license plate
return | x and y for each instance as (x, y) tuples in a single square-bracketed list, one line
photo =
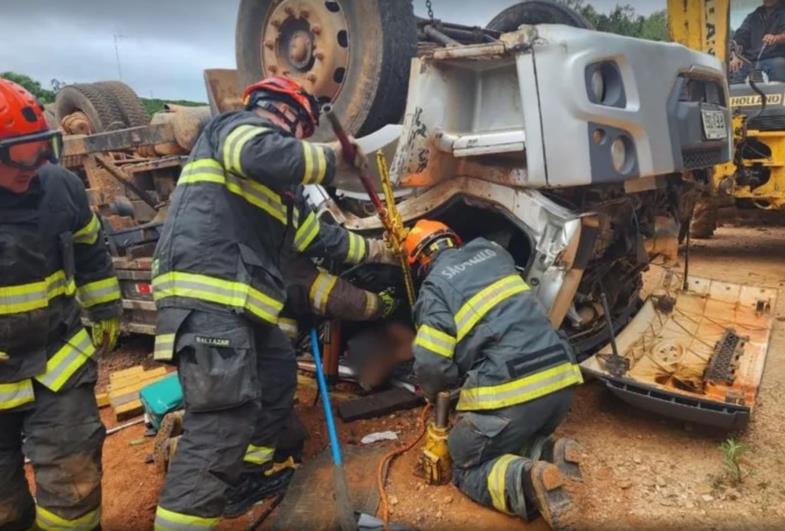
[(714, 125)]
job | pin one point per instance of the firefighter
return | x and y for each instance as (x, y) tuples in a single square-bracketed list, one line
[(52, 258), (219, 286), (480, 328), (311, 291)]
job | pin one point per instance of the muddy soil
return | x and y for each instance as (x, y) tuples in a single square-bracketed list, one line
[(642, 472)]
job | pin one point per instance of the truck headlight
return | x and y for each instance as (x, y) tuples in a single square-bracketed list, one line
[(604, 84), (597, 85)]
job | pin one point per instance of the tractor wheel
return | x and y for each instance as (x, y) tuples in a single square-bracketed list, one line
[(93, 104), (534, 12), (131, 107), (353, 54)]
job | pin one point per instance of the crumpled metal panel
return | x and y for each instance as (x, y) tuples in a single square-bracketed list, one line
[(671, 341), (555, 231)]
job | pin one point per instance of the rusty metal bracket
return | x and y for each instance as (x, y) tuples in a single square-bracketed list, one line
[(124, 179)]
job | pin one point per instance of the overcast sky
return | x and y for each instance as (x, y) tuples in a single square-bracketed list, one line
[(163, 44)]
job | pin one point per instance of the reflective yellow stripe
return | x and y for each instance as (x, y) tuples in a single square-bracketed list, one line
[(164, 347), (522, 390), (89, 233), (16, 394), (371, 305), (435, 341), (99, 292), (57, 285), (166, 520), (260, 196), (306, 232), (49, 521), (480, 304), (234, 144), (497, 481), (320, 291), (35, 295), (60, 367), (356, 252), (289, 327), (315, 163), (258, 455), (218, 291)]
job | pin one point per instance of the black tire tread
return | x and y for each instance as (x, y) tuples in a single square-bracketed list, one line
[(101, 110), (400, 46), (537, 12), (127, 100)]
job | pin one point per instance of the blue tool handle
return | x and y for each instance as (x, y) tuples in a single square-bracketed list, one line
[(328, 410)]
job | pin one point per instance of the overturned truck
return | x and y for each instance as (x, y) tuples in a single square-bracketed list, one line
[(580, 152)]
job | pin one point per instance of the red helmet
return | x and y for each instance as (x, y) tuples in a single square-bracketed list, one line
[(283, 89), (25, 139)]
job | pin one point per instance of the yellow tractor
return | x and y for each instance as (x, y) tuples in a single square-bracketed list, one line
[(755, 178)]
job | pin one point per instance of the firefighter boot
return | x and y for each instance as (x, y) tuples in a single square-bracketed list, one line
[(256, 486), (563, 452), (543, 485)]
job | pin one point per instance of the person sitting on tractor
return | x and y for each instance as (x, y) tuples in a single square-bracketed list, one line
[(760, 43)]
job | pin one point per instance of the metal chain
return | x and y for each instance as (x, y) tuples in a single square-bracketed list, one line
[(429, 7)]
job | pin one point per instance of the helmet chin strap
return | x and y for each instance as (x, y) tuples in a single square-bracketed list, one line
[(278, 113)]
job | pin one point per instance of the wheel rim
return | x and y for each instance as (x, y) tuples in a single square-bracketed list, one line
[(307, 41)]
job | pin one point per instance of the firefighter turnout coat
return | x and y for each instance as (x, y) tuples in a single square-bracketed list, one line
[(52, 258), (479, 325), (236, 216)]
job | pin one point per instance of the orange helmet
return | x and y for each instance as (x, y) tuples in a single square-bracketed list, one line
[(426, 237), (283, 89), (25, 139)]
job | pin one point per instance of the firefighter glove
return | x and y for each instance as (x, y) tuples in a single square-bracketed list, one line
[(360, 161), (105, 333), (380, 253), (389, 302)]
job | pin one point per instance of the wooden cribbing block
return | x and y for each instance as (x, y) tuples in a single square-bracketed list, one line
[(124, 387), (129, 410), (132, 379), (102, 399)]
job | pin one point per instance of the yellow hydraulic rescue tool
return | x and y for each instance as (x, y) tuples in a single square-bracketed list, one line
[(395, 232), (435, 464)]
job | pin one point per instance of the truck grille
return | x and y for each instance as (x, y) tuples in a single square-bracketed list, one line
[(703, 158)]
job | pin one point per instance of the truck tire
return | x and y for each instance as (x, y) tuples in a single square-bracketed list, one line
[(354, 54), (101, 110), (537, 12), (130, 105)]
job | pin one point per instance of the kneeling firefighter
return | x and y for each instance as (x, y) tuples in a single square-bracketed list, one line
[(219, 278), (53, 264), (480, 327)]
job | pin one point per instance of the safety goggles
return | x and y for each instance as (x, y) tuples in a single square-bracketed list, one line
[(31, 151)]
